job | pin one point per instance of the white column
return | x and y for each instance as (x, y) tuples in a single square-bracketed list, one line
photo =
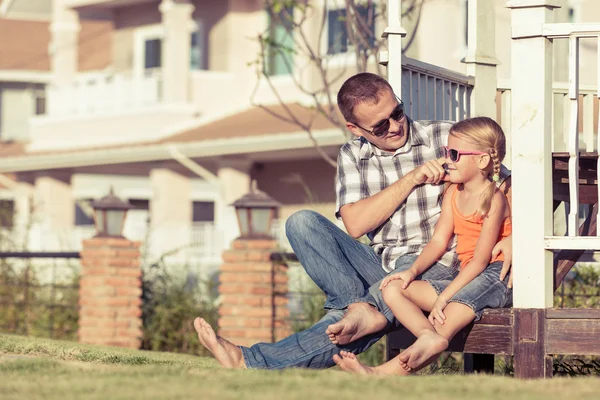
[(234, 175), (481, 56), (64, 43), (394, 33), (177, 22), (531, 154), (170, 213)]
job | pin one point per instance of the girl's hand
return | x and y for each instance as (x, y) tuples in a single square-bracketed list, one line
[(437, 311), (407, 276)]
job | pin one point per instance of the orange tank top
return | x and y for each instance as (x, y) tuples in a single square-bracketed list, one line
[(468, 229)]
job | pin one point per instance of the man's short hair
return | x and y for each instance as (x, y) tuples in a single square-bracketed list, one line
[(360, 88)]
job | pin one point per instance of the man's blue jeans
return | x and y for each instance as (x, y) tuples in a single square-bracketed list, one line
[(344, 269)]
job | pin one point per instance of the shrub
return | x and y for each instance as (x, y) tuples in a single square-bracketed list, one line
[(170, 303)]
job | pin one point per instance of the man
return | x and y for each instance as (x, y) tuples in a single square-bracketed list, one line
[(389, 187)]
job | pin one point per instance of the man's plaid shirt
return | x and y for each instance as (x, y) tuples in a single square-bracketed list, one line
[(364, 169)]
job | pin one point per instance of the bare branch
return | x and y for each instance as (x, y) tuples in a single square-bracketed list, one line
[(294, 42)]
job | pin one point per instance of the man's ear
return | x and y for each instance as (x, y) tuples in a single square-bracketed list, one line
[(356, 131)]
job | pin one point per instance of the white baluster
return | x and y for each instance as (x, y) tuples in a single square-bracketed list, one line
[(588, 121), (573, 131), (598, 132)]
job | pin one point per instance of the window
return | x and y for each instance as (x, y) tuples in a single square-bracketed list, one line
[(203, 211), (337, 31), (7, 211), (150, 47), (280, 47)]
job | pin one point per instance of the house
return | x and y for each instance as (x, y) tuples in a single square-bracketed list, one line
[(156, 99)]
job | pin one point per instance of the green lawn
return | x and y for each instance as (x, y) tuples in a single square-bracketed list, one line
[(38, 368)]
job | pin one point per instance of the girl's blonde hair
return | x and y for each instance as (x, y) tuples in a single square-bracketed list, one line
[(487, 135)]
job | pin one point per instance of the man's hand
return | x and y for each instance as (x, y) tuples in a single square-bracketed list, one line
[(407, 276), (437, 311), (431, 172), (505, 247)]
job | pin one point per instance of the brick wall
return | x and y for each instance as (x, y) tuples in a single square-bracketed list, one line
[(253, 289), (110, 293)]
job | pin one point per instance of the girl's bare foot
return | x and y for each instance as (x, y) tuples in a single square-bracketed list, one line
[(227, 354), (349, 363), (427, 347), (360, 320)]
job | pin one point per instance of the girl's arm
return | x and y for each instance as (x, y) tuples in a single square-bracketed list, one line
[(492, 224), (444, 229)]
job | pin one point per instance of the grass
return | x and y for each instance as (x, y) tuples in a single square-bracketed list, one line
[(38, 368)]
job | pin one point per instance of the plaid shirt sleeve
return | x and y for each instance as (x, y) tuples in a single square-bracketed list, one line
[(349, 185)]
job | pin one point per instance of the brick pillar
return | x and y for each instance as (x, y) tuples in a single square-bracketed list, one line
[(110, 293), (253, 289)]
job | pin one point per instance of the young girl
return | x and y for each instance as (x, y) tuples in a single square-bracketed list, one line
[(479, 214)]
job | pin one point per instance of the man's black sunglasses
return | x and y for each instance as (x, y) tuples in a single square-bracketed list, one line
[(383, 127)]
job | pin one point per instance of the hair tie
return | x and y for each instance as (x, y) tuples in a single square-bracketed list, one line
[(496, 178)]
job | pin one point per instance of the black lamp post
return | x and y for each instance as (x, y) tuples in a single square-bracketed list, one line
[(109, 215), (255, 213)]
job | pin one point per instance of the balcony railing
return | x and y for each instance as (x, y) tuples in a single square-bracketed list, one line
[(105, 93)]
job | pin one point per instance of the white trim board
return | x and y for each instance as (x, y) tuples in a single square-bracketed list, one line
[(143, 153), (25, 76)]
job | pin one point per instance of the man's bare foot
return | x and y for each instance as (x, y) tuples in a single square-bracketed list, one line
[(361, 319), (427, 348), (226, 353), (348, 362)]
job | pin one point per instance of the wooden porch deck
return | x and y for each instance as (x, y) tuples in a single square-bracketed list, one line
[(532, 335)]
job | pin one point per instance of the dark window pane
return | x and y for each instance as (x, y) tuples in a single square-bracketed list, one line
[(7, 211), (203, 211), (337, 32), (84, 214), (40, 101), (280, 49), (152, 53), (140, 204)]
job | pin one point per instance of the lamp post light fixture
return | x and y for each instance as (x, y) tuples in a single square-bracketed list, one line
[(109, 215), (255, 214)]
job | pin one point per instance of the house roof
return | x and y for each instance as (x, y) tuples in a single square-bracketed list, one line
[(256, 121)]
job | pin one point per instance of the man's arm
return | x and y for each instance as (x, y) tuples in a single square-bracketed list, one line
[(367, 214)]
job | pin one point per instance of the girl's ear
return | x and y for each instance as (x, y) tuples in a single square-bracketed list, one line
[(484, 161)]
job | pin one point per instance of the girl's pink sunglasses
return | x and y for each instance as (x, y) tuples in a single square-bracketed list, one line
[(454, 155)]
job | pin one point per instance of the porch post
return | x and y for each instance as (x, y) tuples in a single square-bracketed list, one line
[(481, 56), (170, 213), (394, 34), (177, 21), (532, 182), (63, 48)]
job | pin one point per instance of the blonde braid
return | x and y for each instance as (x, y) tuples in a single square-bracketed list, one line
[(496, 165)]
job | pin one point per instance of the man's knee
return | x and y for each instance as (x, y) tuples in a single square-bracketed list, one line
[(300, 223)]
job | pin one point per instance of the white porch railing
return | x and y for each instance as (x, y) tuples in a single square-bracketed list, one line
[(431, 92), (578, 113), (435, 93), (104, 93), (561, 115)]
